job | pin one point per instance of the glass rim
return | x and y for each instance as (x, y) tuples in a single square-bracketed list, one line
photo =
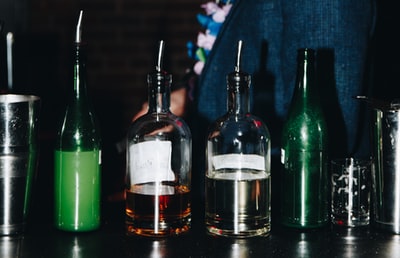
[(345, 162)]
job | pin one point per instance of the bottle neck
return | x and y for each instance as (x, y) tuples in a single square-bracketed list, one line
[(159, 92), (79, 90), (305, 82), (238, 93)]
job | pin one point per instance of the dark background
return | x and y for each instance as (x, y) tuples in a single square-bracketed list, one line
[(122, 37)]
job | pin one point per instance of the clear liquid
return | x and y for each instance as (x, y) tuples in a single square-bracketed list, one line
[(148, 214), (238, 207)]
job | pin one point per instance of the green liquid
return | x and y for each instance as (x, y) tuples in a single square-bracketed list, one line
[(77, 190)]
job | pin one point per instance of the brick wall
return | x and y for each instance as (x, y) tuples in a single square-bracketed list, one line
[(123, 36)]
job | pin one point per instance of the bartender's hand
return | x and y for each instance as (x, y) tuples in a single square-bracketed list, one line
[(178, 104)]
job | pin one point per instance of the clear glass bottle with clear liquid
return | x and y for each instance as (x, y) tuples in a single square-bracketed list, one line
[(238, 186), (159, 153)]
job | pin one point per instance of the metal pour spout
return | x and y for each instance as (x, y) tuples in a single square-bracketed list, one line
[(380, 104), (78, 35)]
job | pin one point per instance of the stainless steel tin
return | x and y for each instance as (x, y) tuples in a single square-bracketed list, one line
[(19, 115), (386, 168)]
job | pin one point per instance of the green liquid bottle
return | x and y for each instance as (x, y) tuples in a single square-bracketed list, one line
[(77, 156), (305, 192)]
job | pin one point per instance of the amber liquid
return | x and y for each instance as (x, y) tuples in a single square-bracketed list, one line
[(157, 215)]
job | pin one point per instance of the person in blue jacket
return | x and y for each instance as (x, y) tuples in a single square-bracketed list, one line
[(272, 31)]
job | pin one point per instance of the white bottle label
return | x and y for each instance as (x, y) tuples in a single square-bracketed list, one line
[(239, 161), (157, 189), (150, 162)]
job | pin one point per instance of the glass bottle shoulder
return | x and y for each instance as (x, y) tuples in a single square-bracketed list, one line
[(243, 126), (305, 129), (79, 114), (78, 123), (78, 131), (158, 126), (306, 115)]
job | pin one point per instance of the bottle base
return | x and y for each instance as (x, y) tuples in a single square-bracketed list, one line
[(391, 227), (163, 229), (12, 229), (307, 225), (350, 221), (259, 232), (75, 229), (259, 227)]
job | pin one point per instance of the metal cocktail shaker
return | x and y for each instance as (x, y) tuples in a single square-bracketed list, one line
[(386, 166), (19, 117)]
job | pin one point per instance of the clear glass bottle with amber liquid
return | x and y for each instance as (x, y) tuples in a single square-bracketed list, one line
[(238, 186), (77, 179), (159, 153), (304, 153)]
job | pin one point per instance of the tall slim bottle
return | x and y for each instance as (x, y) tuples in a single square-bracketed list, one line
[(78, 156), (304, 153), (159, 153), (238, 186)]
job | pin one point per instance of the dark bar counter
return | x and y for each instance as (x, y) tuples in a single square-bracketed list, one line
[(43, 240)]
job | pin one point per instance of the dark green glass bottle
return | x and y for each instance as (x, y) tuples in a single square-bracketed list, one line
[(78, 157), (304, 153)]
